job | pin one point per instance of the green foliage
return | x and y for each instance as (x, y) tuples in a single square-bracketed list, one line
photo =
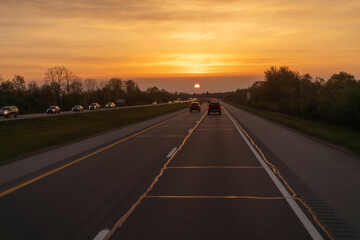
[(336, 101), (334, 134)]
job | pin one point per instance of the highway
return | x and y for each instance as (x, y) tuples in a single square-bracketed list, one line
[(194, 176), (86, 110)]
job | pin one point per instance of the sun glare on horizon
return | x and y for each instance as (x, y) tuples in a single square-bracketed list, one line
[(209, 38)]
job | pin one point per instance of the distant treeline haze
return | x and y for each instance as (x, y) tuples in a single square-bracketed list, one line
[(64, 88), (335, 101)]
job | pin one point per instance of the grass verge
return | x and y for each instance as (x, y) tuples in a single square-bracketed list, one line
[(24, 136), (341, 136)]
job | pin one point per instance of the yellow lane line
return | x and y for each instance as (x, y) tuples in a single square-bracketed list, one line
[(159, 136), (17, 187), (121, 221), (216, 197), (216, 167), (215, 129)]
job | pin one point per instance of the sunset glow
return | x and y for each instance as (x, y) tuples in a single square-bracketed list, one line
[(165, 39), (197, 86)]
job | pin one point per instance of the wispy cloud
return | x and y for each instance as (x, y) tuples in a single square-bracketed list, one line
[(149, 37)]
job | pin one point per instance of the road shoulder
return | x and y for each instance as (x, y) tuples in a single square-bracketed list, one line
[(326, 174)]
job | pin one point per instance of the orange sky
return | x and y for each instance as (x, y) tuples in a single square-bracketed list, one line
[(160, 39)]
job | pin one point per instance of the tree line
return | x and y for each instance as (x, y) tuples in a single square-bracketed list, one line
[(64, 88), (335, 101)]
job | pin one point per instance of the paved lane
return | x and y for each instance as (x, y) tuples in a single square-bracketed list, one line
[(214, 188), (79, 201)]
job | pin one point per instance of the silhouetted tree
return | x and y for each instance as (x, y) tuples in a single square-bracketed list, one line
[(19, 84)]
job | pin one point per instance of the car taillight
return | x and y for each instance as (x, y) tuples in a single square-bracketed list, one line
[(208, 108), (198, 105), (220, 107)]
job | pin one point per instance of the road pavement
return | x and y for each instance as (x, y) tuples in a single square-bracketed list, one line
[(194, 176), (327, 178)]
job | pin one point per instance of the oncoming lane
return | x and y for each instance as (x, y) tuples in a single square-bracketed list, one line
[(38, 115), (213, 188), (81, 200)]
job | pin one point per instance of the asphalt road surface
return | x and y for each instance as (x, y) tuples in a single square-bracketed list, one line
[(37, 115), (191, 177)]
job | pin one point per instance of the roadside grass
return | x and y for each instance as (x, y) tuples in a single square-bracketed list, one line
[(20, 137), (341, 136)]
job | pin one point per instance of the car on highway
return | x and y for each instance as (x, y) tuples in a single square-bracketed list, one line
[(53, 110), (110, 105), (94, 106), (195, 106), (214, 107), (154, 103), (7, 111), (77, 108)]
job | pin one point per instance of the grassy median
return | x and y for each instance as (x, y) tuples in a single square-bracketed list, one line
[(20, 137), (343, 137)]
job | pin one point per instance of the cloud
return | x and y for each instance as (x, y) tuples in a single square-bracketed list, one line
[(140, 37)]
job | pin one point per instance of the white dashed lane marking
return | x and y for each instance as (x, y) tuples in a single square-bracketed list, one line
[(171, 152)]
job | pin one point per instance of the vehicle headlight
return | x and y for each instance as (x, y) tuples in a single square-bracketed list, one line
[(5, 112)]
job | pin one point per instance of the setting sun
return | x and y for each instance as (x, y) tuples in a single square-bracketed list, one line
[(212, 40), (197, 86)]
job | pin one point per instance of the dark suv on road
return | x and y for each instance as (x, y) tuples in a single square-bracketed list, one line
[(8, 111), (214, 107), (94, 106), (53, 110), (194, 106)]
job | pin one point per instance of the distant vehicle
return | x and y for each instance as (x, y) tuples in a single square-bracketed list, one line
[(170, 102), (53, 109), (154, 103), (77, 108), (195, 106), (214, 107), (8, 111), (94, 106), (110, 105)]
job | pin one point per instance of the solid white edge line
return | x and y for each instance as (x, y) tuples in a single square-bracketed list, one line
[(102, 234), (171, 152), (295, 207)]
